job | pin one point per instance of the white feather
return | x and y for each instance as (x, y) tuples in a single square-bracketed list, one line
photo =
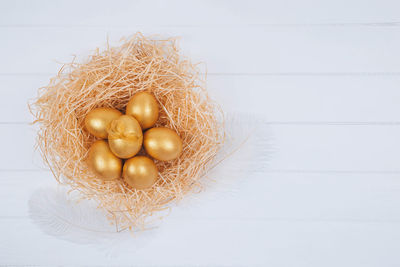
[(246, 153), (58, 213)]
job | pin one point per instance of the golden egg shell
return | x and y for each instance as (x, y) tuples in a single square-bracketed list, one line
[(144, 107), (98, 120), (140, 172), (162, 143), (103, 162), (125, 136)]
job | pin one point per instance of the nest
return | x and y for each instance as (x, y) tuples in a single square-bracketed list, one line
[(110, 78)]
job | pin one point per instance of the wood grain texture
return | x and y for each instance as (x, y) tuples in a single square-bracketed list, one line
[(308, 197), (125, 13), (323, 75), (280, 99), (232, 50), (251, 243), (346, 148)]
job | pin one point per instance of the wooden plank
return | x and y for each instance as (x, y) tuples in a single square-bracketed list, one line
[(203, 13), (308, 197), (231, 50), (15, 199), (221, 242), (348, 148), (293, 99)]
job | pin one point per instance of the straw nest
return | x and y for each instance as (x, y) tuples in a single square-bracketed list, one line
[(110, 78)]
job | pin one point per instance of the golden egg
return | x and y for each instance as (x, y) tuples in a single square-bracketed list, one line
[(140, 172), (144, 107), (98, 120), (103, 162), (162, 143), (125, 136)]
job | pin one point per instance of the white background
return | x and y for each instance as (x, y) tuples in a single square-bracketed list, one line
[(324, 74)]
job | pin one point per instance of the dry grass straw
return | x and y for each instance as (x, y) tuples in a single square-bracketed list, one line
[(109, 79)]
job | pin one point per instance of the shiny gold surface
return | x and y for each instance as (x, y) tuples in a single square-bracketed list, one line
[(98, 120), (103, 162), (144, 107), (125, 136), (162, 143), (140, 172)]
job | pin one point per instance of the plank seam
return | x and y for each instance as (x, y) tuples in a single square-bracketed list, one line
[(242, 25), (377, 73), (279, 171), (282, 123), (255, 219)]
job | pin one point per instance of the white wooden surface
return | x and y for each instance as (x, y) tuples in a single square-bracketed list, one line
[(324, 74)]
